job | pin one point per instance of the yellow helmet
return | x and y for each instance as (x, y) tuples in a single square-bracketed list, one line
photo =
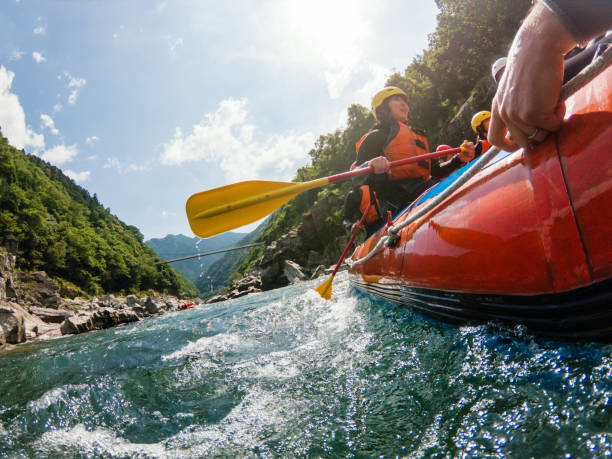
[(383, 94), (478, 119)]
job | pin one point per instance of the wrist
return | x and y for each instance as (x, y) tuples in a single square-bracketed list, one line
[(543, 29)]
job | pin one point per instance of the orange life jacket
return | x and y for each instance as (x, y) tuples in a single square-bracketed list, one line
[(365, 206), (406, 144), (485, 146), (358, 144)]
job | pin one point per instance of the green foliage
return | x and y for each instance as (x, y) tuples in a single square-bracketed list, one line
[(469, 36), (64, 231)]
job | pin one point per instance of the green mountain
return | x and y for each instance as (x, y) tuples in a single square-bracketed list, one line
[(64, 231), (177, 246)]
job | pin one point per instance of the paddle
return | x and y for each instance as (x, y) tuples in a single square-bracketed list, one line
[(222, 209), (325, 289)]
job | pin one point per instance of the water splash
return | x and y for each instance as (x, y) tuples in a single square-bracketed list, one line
[(285, 373)]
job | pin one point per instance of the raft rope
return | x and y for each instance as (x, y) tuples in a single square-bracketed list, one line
[(581, 79)]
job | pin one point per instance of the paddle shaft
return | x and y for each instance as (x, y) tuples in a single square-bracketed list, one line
[(392, 164), (297, 188), (348, 246)]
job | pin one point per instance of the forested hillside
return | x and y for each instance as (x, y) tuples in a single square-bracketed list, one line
[(469, 36), (64, 231)]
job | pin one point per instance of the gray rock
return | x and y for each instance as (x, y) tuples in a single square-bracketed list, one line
[(52, 300), (151, 306), (319, 271), (216, 299), (293, 272), (12, 323), (109, 301), (131, 300), (50, 315), (139, 310), (77, 324)]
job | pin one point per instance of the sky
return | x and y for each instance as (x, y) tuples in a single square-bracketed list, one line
[(145, 102)]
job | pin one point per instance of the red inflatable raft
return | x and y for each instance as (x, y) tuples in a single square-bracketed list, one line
[(526, 240)]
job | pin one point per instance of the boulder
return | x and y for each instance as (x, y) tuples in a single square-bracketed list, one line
[(7, 284), (131, 300), (319, 271), (139, 310), (293, 272), (55, 316), (12, 324), (109, 301), (52, 300), (77, 324), (216, 299), (152, 306)]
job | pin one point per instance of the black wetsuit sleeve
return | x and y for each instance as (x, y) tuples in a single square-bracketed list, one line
[(584, 19), (442, 169), (371, 147), (351, 213)]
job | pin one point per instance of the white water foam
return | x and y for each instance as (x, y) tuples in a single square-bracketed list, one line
[(55, 395), (223, 342), (97, 442)]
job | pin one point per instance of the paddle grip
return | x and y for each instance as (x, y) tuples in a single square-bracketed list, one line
[(400, 162)]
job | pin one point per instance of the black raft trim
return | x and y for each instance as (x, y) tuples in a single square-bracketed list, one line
[(581, 313)]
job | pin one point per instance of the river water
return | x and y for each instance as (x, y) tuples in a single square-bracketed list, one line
[(284, 373)]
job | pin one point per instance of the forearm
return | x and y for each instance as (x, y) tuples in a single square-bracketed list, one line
[(583, 19)]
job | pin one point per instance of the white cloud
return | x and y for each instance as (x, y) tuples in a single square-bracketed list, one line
[(12, 117), (38, 57), (57, 108), (114, 163), (16, 55), (225, 137), (167, 214), (92, 140), (174, 44), (78, 177), (48, 122), (40, 30), (75, 84), (60, 154), (74, 81)]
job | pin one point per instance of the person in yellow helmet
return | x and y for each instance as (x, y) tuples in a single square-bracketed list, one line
[(392, 139), (480, 126)]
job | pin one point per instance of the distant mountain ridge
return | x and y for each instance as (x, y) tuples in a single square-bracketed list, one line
[(178, 245)]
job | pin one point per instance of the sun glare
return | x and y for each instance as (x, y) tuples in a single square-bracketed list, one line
[(333, 28)]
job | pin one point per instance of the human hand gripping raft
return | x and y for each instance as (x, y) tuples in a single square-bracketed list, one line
[(526, 107)]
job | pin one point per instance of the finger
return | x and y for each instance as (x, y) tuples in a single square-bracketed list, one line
[(497, 127), (519, 136)]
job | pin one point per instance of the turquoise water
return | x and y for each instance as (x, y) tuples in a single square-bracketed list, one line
[(284, 373)]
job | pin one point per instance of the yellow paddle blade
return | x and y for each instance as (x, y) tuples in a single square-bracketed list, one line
[(325, 289), (221, 209)]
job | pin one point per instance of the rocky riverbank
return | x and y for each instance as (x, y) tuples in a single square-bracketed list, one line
[(31, 307)]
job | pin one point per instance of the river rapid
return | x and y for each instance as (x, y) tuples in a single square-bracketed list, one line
[(285, 373)]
